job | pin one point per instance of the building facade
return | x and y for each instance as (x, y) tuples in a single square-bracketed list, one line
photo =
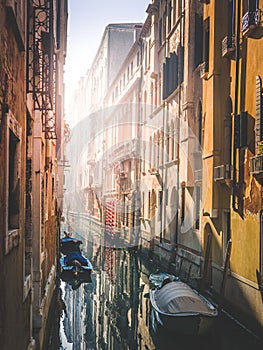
[(232, 138), (32, 122), (197, 177)]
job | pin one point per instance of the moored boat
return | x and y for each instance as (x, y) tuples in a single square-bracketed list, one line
[(179, 308), (75, 271), (69, 244), (75, 268)]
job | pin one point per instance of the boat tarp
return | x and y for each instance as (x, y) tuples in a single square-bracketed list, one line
[(178, 297)]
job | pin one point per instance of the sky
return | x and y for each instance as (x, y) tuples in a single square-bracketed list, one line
[(86, 23)]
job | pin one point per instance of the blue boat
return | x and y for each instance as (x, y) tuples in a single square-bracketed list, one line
[(75, 271), (75, 267), (69, 244)]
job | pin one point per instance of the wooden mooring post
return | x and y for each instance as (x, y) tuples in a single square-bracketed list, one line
[(225, 274)]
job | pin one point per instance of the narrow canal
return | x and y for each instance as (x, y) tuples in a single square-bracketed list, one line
[(113, 311)]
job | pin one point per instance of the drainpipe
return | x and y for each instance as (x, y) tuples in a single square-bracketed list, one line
[(261, 249), (235, 104)]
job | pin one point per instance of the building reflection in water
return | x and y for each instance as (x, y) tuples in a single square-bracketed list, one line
[(113, 312)]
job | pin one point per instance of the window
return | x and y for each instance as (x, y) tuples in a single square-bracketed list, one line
[(198, 53), (154, 159), (164, 26), (171, 139), (160, 32), (28, 216), (145, 56), (167, 139), (149, 205), (200, 125), (149, 53), (12, 179), (124, 82), (58, 23), (180, 64), (160, 204), (175, 11), (230, 23), (252, 5), (197, 207), (170, 74), (16, 15), (182, 202), (206, 35), (143, 204), (169, 11)]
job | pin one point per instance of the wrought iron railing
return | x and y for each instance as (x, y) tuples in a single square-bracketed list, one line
[(250, 19), (42, 65), (228, 45)]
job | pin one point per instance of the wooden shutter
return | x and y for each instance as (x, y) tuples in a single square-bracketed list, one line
[(180, 64)]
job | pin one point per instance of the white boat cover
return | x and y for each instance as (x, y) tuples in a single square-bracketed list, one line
[(179, 298)]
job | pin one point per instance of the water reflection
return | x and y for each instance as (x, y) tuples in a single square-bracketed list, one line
[(113, 311)]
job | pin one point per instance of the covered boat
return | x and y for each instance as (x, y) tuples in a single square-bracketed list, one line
[(70, 271), (69, 244), (74, 266), (179, 308)]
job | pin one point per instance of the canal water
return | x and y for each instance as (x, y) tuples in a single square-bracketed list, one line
[(113, 311)]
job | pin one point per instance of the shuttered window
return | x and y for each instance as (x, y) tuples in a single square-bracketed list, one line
[(180, 64), (206, 38), (170, 74), (198, 54), (252, 5)]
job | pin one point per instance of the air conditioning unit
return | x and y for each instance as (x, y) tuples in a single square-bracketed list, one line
[(222, 172), (256, 166), (198, 174)]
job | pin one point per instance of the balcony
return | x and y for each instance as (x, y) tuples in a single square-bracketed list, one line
[(229, 47), (203, 70), (256, 166), (250, 22)]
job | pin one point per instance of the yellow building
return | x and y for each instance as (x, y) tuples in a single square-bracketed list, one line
[(232, 119)]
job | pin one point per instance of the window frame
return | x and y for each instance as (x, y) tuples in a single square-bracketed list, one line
[(11, 125)]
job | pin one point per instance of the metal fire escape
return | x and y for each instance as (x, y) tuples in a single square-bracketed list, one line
[(42, 65)]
